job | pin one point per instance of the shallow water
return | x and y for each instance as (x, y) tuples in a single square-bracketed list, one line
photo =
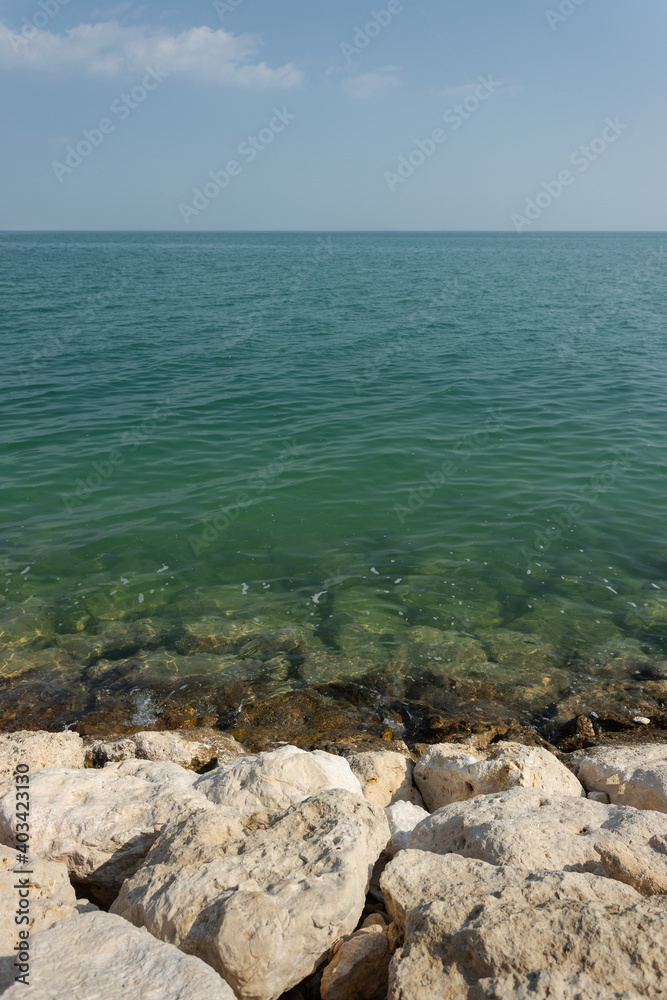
[(357, 434)]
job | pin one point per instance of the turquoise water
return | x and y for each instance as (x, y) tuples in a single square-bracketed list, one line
[(357, 434)]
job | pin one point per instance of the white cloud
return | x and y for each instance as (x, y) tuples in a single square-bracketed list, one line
[(109, 49), (369, 85)]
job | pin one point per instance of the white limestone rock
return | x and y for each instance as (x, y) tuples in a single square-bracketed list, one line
[(264, 909), (524, 828), (193, 749), (38, 750), (98, 956), (450, 772), (385, 777), (416, 878), (101, 823), (628, 775), (276, 780), (402, 817), (474, 931)]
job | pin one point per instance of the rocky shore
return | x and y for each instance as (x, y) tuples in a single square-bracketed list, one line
[(185, 865), (354, 672)]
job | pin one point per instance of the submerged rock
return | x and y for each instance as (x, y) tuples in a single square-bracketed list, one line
[(519, 649), (262, 910), (116, 639), (301, 717), (57, 703), (211, 634), (452, 773), (529, 829), (100, 955), (437, 649), (361, 641)]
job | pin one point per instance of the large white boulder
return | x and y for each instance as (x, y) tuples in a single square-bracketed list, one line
[(386, 777), (276, 780), (101, 823), (98, 956), (450, 772), (474, 931), (628, 775), (265, 908), (38, 750), (524, 828)]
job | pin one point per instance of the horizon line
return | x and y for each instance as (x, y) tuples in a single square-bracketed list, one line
[(496, 232)]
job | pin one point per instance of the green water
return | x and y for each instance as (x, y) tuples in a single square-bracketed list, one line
[(361, 435)]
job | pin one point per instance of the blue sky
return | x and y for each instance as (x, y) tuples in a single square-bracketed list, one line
[(444, 114)]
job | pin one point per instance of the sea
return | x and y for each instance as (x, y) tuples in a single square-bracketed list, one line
[(407, 463)]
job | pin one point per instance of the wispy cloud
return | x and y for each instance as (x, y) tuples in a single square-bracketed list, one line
[(374, 84), (109, 49)]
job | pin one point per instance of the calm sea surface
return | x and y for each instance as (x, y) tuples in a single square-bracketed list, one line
[(436, 452)]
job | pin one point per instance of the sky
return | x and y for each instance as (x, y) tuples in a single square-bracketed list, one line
[(510, 115)]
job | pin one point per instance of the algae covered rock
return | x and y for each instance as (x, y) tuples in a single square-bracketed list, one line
[(116, 639), (519, 649), (437, 650)]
